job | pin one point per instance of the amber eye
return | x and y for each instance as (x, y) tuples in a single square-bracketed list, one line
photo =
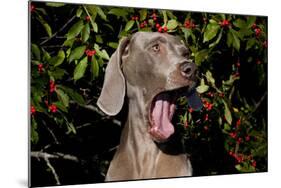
[(156, 47)]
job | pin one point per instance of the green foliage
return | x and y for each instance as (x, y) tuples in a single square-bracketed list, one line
[(229, 50)]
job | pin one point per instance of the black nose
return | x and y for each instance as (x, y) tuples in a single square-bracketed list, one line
[(188, 68)]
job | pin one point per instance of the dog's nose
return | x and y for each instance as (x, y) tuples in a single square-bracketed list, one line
[(188, 68)]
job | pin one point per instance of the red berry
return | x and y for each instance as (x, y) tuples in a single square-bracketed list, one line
[(87, 18), (224, 23), (90, 53), (142, 25), (186, 124), (258, 62), (190, 110), (154, 18), (52, 86), (221, 94), (133, 18), (136, 18), (247, 138), (165, 29), (205, 20), (238, 123), (154, 14), (206, 128), (264, 44), (193, 25), (239, 140), (53, 108), (160, 29), (254, 25), (236, 75), (254, 164), (145, 22), (206, 117), (33, 110), (157, 25), (40, 67), (187, 24), (232, 135), (257, 32), (230, 153), (32, 8), (238, 64)]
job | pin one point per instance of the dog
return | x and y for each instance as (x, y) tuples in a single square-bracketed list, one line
[(149, 70)]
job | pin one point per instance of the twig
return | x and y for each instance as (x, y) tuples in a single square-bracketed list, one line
[(260, 101), (52, 46), (40, 154), (52, 133), (95, 109), (70, 20), (53, 170)]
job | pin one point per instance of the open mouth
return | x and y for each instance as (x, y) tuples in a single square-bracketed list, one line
[(163, 108)]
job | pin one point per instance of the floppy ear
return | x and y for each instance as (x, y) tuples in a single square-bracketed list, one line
[(113, 91)]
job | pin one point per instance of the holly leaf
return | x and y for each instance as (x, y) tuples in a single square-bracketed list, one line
[(202, 88), (77, 53), (34, 135), (54, 4), (172, 24), (73, 94), (129, 25), (36, 51), (119, 12), (63, 97), (143, 14), (85, 33), (80, 69), (227, 113), (210, 32), (94, 67), (210, 78), (236, 41), (75, 29)]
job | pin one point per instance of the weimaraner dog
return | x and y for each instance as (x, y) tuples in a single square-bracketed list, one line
[(149, 71)]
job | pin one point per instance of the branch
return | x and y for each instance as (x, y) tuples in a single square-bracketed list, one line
[(44, 155), (260, 101), (62, 28), (51, 132), (53, 171), (95, 109)]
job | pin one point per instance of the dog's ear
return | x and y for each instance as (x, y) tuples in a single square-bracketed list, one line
[(113, 91)]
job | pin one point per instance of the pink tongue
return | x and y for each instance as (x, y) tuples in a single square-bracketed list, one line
[(162, 115)]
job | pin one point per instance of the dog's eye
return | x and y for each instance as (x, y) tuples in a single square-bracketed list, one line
[(156, 47)]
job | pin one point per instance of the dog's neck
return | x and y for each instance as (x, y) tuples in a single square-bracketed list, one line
[(137, 124), (136, 128)]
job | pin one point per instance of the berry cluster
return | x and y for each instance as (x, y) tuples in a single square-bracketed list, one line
[(32, 8), (33, 110), (90, 53), (53, 108), (40, 67), (208, 105), (143, 24), (224, 23), (154, 16), (52, 86), (162, 29), (257, 30), (135, 18), (87, 18), (189, 24)]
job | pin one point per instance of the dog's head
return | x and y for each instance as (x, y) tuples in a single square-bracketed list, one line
[(160, 66)]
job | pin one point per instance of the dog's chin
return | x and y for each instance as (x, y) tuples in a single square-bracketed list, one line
[(162, 110)]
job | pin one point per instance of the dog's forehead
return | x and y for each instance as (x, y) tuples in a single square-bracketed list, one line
[(144, 38)]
